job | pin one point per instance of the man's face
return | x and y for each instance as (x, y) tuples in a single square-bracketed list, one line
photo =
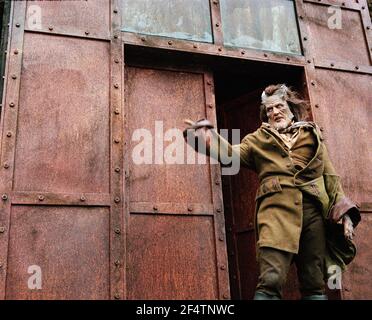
[(278, 113)]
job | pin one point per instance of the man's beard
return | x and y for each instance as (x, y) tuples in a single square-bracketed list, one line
[(285, 123)]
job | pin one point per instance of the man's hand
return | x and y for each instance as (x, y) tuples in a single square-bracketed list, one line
[(348, 227)]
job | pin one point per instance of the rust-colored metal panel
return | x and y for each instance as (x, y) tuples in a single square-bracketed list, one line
[(334, 45), (63, 135), (69, 244), (176, 233), (343, 111), (167, 97), (78, 18), (171, 257), (356, 280)]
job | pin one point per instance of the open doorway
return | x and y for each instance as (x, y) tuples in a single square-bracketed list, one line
[(238, 95)]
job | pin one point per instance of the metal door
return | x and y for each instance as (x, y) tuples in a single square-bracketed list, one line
[(175, 247)]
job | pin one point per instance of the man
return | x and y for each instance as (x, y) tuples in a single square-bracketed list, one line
[(302, 214)]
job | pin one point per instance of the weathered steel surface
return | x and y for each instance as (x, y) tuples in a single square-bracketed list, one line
[(343, 112), (169, 97), (69, 244), (334, 44), (357, 280), (171, 257), (78, 18), (178, 190), (63, 136)]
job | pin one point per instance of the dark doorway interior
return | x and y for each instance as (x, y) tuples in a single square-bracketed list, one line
[(238, 90)]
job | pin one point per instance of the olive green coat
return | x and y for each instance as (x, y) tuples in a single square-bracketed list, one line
[(279, 196)]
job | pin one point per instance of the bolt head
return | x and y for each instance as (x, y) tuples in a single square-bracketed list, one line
[(82, 198), (86, 32), (9, 134), (117, 296), (14, 76), (117, 200), (18, 25), (6, 165), (4, 197), (41, 198), (117, 169), (117, 230), (15, 51), (50, 28), (12, 104), (2, 229)]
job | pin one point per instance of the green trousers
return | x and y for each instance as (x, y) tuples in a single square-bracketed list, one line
[(274, 264)]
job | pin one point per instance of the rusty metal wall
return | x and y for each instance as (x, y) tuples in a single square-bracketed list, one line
[(176, 239), (339, 75), (61, 152)]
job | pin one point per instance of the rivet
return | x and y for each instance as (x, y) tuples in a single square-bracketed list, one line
[(288, 59), (189, 208), (4, 197), (18, 25), (117, 296), (117, 111), (116, 86), (219, 210), (115, 36), (195, 46), (14, 76), (222, 267), (117, 230), (6, 165), (225, 296), (301, 17), (170, 42), (82, 198), (12, 104), (50, 28), (115, 10), (219, 49), (117, 169), (317, 106), (155, 208), (363, 8), (143, 39), (116, 60), (343, 3), (210, 105), (209, 82), (117, 200), (356, 67), (313, 83), (321, 129), (250, 225), (220, 238), (8, 134), (2, 229), (215, 2), (332, 64), (86, 32), (117, 263), (15, 51), (217, 24), (217, 183), (116, 140), (305, 38), (368, 27), (242, 52), (41, 198), (265, 55)]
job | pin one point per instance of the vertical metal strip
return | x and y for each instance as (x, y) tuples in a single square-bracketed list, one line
[(216, 187), (367, 26), (9, 130), (216, 22), (116, 182)]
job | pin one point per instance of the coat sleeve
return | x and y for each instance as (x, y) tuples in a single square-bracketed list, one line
[(339, 203), (222, 150)]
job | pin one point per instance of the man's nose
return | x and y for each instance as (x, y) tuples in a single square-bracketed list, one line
[(275, 110)]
